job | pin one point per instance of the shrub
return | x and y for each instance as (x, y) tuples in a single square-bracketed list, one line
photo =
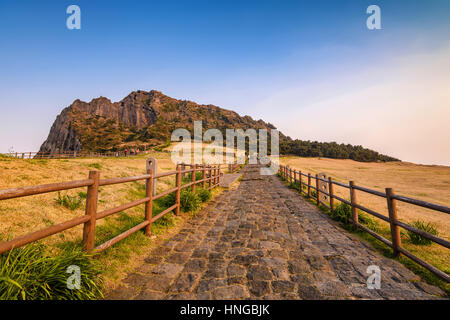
[(203, 194), (295, 185), (70, 202), (342, 212), (29, 274), (189, 201), (188, 177), (427, 227), (168, 201)]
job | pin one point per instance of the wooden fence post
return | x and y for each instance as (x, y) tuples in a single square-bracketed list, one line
[(317, 189), (300, 180), (218, 177), (353, 200), (178, 194), (193, 178), (330, 190), (210, 177), (309, 185), (215, 176), (91, 211), (395, 230), (204, 176), (149, 203)]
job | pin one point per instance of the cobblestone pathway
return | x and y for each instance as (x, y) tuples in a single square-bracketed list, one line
[(261, 240)]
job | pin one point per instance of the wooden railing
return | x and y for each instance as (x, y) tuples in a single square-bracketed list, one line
[(72, 154), (295, 176), (211, 175)]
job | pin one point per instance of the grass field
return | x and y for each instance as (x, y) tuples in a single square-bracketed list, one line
[(24, 215), (428, 183)]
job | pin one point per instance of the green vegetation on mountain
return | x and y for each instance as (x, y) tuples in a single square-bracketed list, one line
[(149, 118)]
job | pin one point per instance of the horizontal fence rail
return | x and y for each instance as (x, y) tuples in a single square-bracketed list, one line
[(76, 154), (294, 176), (210, 175)]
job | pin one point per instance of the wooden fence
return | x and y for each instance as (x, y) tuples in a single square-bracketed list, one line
[(396, 244), (211, 176), (72, 154)]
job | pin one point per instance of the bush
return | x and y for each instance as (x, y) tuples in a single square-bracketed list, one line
[(203, 194), (29, 274), (427, 227), (295, 185), (189, 201), (188, 177), (168, 201), (342, 212), (70, 202)]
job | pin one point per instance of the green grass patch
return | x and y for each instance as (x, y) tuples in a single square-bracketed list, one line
[(427, 227), (95, 165), (70, 202), (29, 273), (203, 194)]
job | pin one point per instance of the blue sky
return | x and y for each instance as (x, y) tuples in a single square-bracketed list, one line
[(287, 62)]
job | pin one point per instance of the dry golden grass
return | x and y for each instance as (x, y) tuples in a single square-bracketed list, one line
[(427, 183), (27, 214), (24, 215), (423, 182)]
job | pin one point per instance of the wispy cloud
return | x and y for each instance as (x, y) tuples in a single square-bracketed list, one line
[(401, 108)]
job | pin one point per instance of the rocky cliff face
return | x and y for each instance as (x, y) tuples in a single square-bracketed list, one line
[(141, 118)]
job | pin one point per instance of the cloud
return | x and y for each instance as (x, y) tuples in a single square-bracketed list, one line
[(400, 108)]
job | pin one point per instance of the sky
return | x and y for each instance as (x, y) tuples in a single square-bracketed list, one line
[(311, 68)]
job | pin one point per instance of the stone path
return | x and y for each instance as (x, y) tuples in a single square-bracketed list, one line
[(261, 240), (228, 179)]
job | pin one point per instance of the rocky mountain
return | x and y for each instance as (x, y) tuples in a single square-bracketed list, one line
[(141, 118)]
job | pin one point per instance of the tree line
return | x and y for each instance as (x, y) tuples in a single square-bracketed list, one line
[(332, 150)]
